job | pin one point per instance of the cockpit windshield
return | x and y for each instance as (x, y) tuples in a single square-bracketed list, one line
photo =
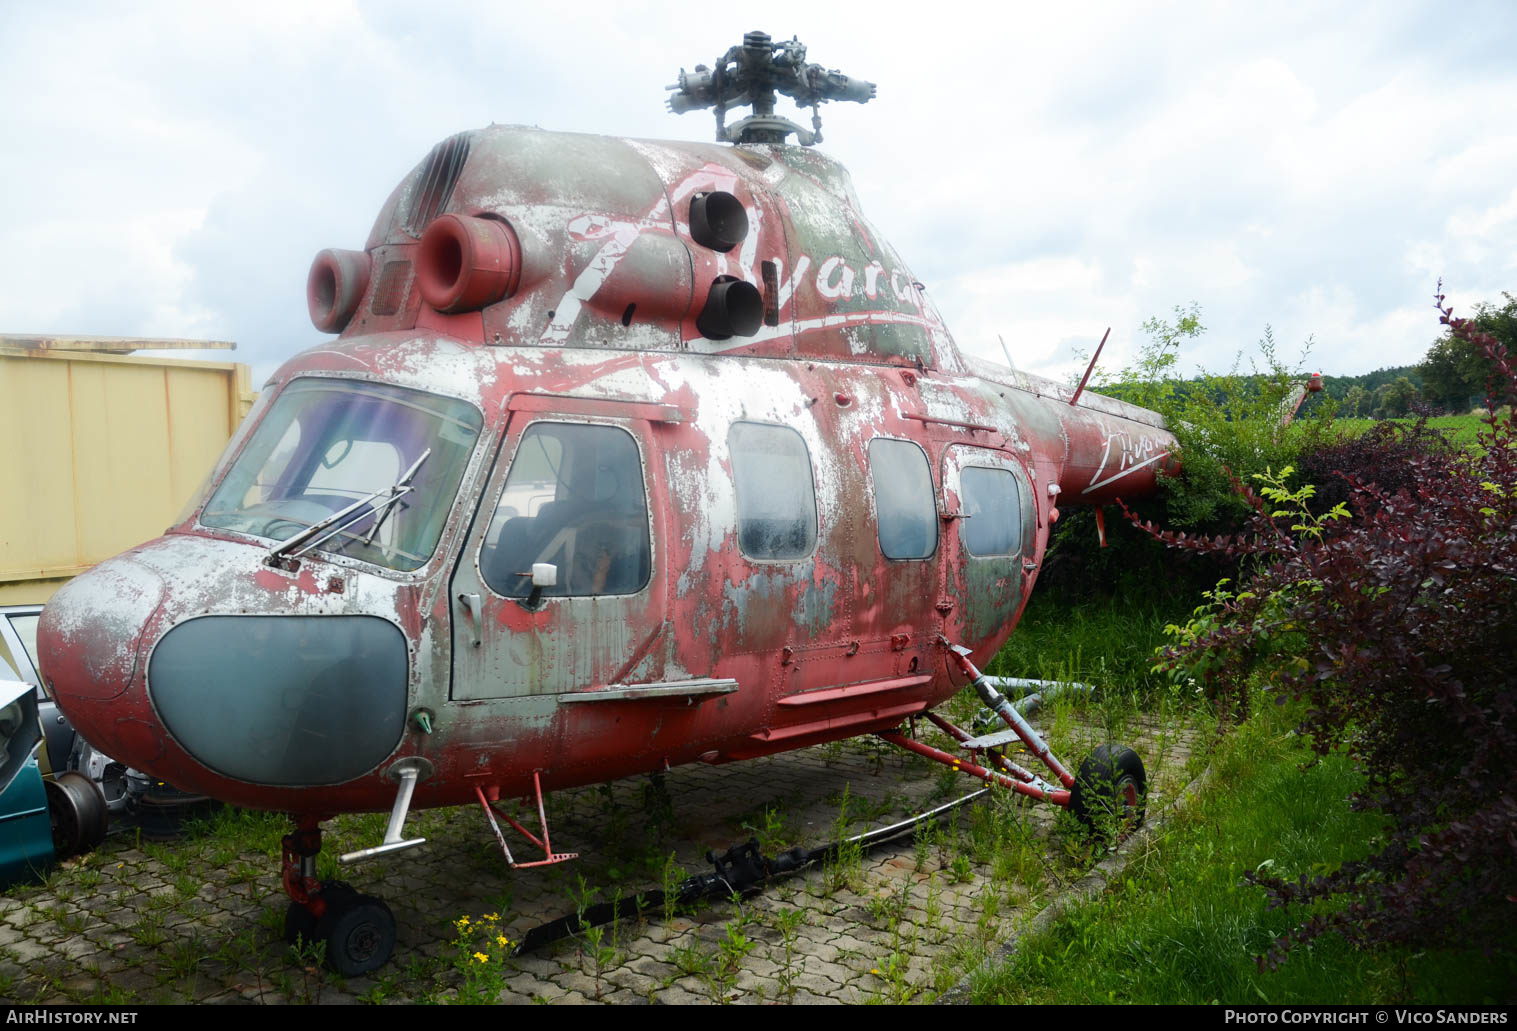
[(328, 444)]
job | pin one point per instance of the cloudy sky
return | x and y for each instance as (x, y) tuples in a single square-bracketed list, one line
[(170, 169)]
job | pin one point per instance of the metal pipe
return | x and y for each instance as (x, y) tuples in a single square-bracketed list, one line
[(1047, 688), (995, 700), (1056, 796)]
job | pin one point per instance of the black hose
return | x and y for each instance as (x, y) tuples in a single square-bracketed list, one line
[(741, 870)]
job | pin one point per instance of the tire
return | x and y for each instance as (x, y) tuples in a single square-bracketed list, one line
[(359, 931), (76, 807), (300, 923), (1110, 792)]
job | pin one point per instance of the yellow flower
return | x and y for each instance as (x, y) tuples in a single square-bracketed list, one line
[(461, 922), (502, 939), (492, 917), (482, 957)]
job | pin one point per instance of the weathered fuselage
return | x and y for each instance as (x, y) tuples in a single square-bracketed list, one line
[(679, 631)]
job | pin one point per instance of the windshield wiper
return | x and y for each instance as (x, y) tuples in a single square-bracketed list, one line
[(338, 521)]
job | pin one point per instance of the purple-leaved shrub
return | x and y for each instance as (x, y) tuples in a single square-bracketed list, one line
[(1398, 628)]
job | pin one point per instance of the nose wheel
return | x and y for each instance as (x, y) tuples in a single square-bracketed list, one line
[(356, 931)]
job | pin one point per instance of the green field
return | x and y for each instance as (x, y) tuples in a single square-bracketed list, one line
[(1461, 429)]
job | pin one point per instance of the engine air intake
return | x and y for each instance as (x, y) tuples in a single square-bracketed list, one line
[(334, 287), (467, 263)]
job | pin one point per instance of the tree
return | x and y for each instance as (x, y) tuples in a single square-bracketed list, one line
[(1394, 400), (1356, 403), (1454, 373)]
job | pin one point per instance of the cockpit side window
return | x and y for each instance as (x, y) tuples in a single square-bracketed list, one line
[(574, 498), (904, 504), (776, 495)]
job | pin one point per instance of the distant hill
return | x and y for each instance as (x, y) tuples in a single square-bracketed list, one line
[(1335, 387), (1338, 386)]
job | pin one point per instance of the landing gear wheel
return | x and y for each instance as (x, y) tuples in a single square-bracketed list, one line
[(1110, 791), (360, 934), (77, 809), (300, 923)]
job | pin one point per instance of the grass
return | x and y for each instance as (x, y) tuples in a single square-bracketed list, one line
[(1107, 642), (1459, 429), (1183, 927)]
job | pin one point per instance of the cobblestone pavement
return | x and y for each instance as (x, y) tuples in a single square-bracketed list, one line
[(200, 919)]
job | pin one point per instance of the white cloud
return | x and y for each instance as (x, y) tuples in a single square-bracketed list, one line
[(1045, 170)]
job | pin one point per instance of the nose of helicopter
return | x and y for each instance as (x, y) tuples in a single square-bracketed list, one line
[(89, 642), (152, 676), (92, 628)]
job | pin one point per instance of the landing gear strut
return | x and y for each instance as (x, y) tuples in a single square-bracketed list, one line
[(357, 930), (1107, 795)]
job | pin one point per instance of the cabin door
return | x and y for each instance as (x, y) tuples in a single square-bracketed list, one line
[(987, 509), (571, 493)]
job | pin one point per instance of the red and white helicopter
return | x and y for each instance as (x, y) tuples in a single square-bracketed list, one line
[(627, 454)]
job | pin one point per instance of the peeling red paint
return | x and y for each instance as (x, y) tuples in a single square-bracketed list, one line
[(602, 330)]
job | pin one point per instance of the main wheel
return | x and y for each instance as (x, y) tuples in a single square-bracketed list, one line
[(360, 934), (78, 813), (1110, 791), (300, 922)]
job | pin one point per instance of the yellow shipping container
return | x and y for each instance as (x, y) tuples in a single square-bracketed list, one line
[(102, 451)]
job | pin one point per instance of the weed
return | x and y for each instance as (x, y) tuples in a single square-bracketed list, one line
[(892, 971), (182, 958), (69, 920), (771, 830), (933, 911), (672, 876), (730, 952), (482, 955), (174, 860), (845, 862), (658, 806), (989, 920), (689, 960), (148, 930), (602, 954), (243, 872), (105, 995), (377, 994), (920, 847), (788, 920)]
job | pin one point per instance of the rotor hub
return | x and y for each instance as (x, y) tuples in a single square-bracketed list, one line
[(752, 74)]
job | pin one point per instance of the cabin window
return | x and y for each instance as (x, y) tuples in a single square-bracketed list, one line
[(907, 514), (992, 503), (776, 496), (574, 498), (338, 450)]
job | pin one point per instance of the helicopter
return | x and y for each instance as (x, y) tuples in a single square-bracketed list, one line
[(625, 454)]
